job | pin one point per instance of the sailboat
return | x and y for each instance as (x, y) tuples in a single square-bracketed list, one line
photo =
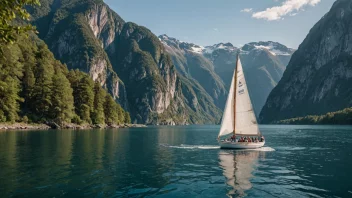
[(239, 118)]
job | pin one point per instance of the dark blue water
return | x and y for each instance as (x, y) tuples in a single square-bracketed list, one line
[(298, 161)]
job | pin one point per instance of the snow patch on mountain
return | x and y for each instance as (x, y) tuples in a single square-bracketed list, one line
[(197, 49), (274, 48), (220, 46)]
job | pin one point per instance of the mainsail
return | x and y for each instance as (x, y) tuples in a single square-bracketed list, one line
[(239, 117)]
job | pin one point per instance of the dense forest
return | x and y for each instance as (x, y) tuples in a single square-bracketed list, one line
[(35, 87), (343, 117)]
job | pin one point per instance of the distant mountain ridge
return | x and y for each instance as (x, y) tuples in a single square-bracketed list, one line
[(190, 62), (263, 62), (318, 78)]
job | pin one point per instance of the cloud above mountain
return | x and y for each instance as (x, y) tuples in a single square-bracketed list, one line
[(288, 7)]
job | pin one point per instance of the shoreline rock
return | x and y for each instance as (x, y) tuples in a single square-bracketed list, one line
[(55, 126), (23, 126)]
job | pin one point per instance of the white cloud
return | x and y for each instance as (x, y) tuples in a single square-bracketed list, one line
[(216, 29), (247, 10), (287, 7)]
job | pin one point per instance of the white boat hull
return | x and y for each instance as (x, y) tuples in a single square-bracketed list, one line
[(241, 145)]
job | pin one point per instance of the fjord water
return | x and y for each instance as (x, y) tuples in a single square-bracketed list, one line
[(298, 161)]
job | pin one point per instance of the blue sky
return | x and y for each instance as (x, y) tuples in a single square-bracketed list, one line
[(206, 22)]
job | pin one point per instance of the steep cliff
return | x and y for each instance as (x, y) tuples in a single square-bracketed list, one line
[(319, 76), (127, 59)]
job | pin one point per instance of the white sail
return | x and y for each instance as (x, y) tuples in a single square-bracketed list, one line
[(227, 123), (246, 122), (242, 120)]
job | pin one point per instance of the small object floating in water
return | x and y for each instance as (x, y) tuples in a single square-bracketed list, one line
[(239, 118)]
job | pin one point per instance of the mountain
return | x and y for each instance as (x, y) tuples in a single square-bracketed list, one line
[(319, 76), (190, 62), (126, 59), (263, 62)]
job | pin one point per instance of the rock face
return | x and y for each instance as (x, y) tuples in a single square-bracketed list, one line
[(127, 59), (212, 67), (318, 78)]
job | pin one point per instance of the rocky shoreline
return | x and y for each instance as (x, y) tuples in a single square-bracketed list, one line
[(25, 126)]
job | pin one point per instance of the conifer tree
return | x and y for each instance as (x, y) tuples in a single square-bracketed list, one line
[(10, 75), (99, 99), (28, 83), (127, 118), (42, 91), (110, 110), (121, 114), (62, 99), (83, 94)]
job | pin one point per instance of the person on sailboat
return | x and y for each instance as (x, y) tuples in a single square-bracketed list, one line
[(262, 139), (233, 138)]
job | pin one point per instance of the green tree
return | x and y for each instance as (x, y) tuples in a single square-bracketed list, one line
[(83, 94), (110, 110), (62, 100), (121, 114), (10, 75), (28, 83), (99, 99), (127, 118), (9, 105), (10, 10), (42, 91)]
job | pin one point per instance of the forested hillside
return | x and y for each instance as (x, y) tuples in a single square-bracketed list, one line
[(35, 87), (339, 117)]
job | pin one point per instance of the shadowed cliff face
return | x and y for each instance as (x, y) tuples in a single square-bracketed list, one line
[(319, 76), (127, 59), (212, 67)]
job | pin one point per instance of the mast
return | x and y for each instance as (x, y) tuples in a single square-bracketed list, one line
[(234, 97)]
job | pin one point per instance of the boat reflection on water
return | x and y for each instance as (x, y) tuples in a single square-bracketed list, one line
[(237, 167)]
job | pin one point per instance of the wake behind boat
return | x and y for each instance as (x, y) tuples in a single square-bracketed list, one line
[(239, 118)]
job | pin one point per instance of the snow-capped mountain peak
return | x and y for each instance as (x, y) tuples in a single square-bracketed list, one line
[(276, 49), (198, 49), (219, 46)]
